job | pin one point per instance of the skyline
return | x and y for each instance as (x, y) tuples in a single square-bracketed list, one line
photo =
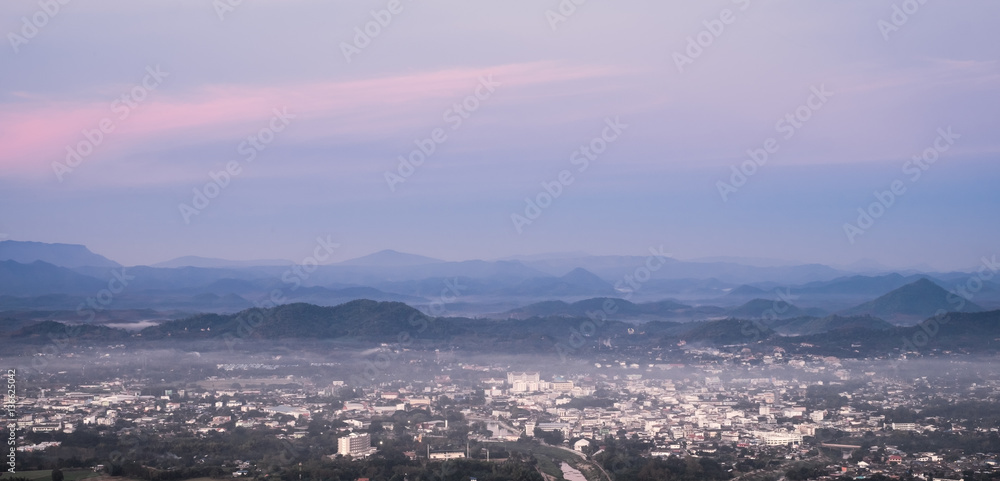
[(309, 124)]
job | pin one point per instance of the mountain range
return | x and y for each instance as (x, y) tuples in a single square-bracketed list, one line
[(58, 278), (367, 323)]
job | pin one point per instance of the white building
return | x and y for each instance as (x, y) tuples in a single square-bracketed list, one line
[(447, 455), (779, 439), (355, 444)]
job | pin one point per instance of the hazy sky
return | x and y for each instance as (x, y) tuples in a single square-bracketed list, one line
[(511, 90)]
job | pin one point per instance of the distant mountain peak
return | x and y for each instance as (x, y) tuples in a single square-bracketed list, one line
[(581, 273), (764, 308), (391, 258), (584, 278)]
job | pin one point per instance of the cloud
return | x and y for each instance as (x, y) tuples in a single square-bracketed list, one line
[(36, 131)]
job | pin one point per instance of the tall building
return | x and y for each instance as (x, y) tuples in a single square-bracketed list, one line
[(355, 444)]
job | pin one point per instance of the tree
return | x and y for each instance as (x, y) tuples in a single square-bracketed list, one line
[(554, 437), (57, 475)]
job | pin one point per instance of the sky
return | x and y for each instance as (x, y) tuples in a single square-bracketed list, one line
[(248, 129)]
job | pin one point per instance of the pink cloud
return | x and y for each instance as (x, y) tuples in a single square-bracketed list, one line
[(35, 133)]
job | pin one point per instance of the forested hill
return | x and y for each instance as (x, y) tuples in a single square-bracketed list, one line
[(361, 319)]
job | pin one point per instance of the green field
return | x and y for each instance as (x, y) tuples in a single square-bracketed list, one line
[(46, 474)]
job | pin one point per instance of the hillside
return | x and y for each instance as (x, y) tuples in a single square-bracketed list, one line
[(39, 278), (912, 302), (977, 333), (858, 285), (51, 331), (960, 331), (804, 326), (725, 331)]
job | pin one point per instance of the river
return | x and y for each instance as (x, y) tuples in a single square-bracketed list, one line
[(571, 473)]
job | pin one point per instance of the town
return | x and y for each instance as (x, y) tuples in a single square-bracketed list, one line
[(741, 413)]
